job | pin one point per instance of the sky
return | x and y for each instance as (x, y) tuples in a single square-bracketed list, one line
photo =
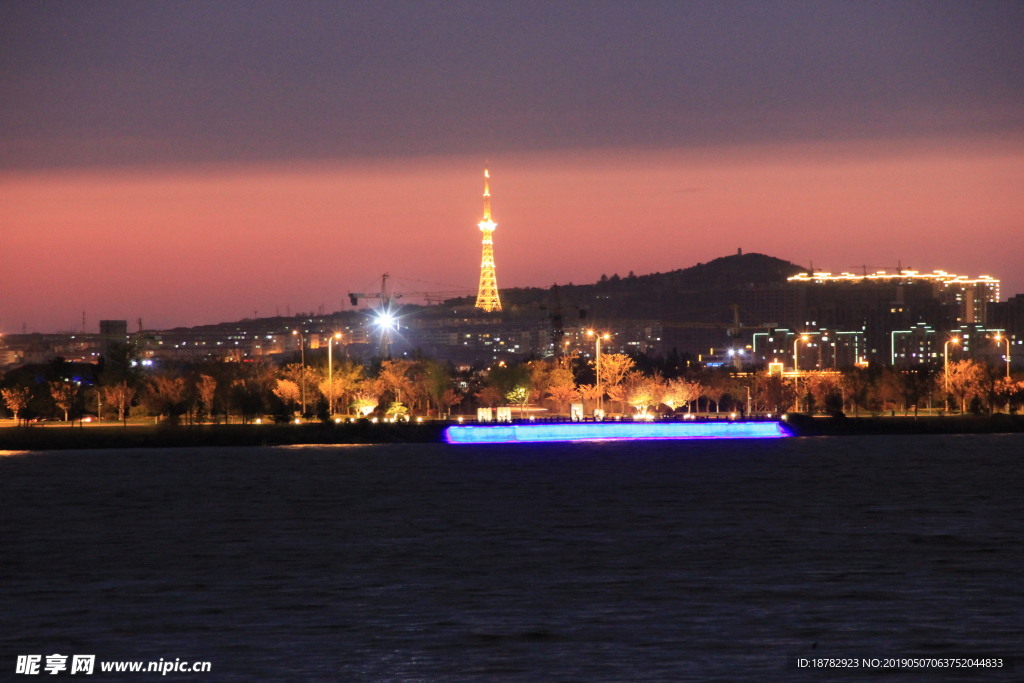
[(194, 162)]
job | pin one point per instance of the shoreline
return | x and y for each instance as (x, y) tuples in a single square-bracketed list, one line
[(364, 432)]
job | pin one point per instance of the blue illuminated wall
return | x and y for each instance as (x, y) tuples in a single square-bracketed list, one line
[(601, 431)]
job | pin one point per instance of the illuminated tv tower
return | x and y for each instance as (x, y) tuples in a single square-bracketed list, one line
[(487, 296)]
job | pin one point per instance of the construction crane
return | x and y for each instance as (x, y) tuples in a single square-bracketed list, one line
[(876, 269), (385, 315)]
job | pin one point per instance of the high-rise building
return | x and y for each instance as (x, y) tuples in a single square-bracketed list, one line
[(487, 295)]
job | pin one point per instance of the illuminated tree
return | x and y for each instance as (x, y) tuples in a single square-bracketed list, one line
[(518, 396), (366, 396), (561, 385), (589, 393), (288, 391), (346, 378), (614, 368), (16, 399), (562, 395), (676, 393), (394, 376), (396, 410), (304, 377), (640, 392), (964, 381)]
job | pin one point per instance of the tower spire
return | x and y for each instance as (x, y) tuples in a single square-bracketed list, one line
[(487, 295)]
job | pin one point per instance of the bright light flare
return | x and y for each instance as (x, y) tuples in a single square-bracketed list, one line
[(386, 320)]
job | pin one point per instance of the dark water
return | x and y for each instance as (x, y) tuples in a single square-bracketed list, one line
[(646, 561)]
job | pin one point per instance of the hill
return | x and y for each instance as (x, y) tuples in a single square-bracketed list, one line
[(705, 292)]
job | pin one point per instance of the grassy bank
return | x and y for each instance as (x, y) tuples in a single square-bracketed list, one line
[(805, 425), (39, 438), (176, 436)]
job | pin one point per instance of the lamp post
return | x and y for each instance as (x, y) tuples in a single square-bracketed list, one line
[(330, 372), (1000, 338), (597, 366), (796, 358), (945, 361), (302, 374)]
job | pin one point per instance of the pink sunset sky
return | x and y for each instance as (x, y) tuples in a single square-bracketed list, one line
[(155, 171)]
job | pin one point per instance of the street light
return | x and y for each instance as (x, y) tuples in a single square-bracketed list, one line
[(302, 374), (945, 361), (330, 372), (599, 336), (1000, 338), (796, 358)]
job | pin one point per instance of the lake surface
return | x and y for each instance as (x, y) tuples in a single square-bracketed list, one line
[(604, 561)]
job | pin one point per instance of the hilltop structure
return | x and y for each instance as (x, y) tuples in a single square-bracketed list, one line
[(487, 295)]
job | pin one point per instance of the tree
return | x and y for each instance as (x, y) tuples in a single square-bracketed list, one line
[(366, 396), (614, 368), (305, 378), (561, 385), (964, 380), (589, 393), (343, 381), (887, 389), (16, 399), (774, 393), (446, 400), (714, 392), (489, 396), (518, 396), (121, 395), (165, 395), (433, 381), (640, 392), (394, 377), (825, 389), (562, 395), (206, 389), (288, 391), (695, 391), (396, 410), (856, 383), (676, 393), (65, 395)]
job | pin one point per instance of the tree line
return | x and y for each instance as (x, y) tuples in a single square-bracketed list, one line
[(214, 391)]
